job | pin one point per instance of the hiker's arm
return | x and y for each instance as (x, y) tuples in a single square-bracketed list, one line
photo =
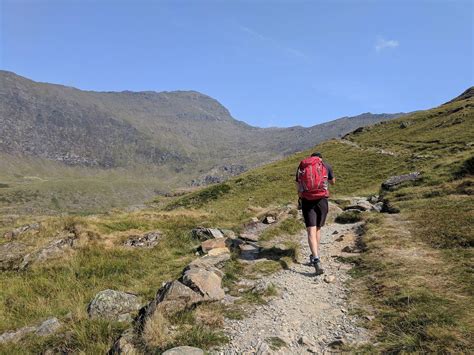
[(298, 188), (332, 181)]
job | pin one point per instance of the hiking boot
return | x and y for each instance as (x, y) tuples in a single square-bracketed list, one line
[(317, 267)]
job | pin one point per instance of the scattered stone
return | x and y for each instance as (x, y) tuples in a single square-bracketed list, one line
[(248, 251), (394, 181), (211, 260), (261, 286), (228, 233), (329, 279), (373, 199), (370, 318), (173, 297), (54, 249), (11, 255), (254, 220), (361, 205), (113, 305), (378, 206), (184, 350), (251, 237), (210, 244), (124, 345), (340, 238), (350, 249), (207, 282), (147, 240), (335, 232), (48, 327), (206, 233), (262, 348), (404, 124), (269, 220), (21, 230)]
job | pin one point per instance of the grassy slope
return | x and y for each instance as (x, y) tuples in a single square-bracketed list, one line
[(58, 288)]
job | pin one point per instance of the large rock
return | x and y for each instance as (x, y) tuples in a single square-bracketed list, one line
[(173, 297), (11, 255), (206, 233), (21, 230), (361, 205), (218, 260), (206, 281), (210, 244), (249, 251), (113, 305), (48, 327), (54, 249), (394, 181), (124, 345), (147, 240), (184, 350)]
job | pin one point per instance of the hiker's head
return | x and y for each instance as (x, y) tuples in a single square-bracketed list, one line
[(317, 154)]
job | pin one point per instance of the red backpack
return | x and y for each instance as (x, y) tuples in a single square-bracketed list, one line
[(313, 179)]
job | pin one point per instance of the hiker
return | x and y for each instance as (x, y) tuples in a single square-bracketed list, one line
[(312, 178)]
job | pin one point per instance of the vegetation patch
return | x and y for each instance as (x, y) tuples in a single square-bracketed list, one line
[(349, 217)]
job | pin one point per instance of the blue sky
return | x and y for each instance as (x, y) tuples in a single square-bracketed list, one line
[(271, 63)]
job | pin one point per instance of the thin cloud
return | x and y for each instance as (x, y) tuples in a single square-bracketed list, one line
[(289, 50), (383, 43)]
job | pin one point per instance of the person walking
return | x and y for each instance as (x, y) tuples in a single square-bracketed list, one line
[(313, 178)]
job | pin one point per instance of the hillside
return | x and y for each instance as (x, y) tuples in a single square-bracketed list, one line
[(140, 141), (412, 277)]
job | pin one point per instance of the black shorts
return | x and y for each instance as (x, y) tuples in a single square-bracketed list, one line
[(315, 212)]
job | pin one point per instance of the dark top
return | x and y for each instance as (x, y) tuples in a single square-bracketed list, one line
[(328, 168)]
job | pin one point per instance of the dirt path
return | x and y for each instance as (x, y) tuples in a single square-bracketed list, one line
[(309, 314)]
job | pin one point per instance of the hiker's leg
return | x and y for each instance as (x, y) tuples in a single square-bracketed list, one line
[(318, 239), (313, 241)]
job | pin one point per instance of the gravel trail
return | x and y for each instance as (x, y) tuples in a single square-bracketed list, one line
[(310, 313)]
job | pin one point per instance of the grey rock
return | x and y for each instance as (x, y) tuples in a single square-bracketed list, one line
[(113, 305), (378, 206), (394, 181), (206, 233), (11, 255), (329, 279), (124, 345), (21, 230), (48, 327), (206, 281), (304, 340), (269, 220), (54, 249), (147, 240), (361, 205), (184, 350)]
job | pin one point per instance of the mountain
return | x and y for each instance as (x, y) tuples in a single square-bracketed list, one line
[(174, 139), (118, 129)]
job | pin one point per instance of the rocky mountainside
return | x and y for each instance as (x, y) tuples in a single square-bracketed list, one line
[(123, 129)]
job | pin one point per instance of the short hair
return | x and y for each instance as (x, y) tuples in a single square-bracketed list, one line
[(317, 154)]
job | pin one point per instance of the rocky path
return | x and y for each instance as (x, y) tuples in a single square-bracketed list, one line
[(309, 314)]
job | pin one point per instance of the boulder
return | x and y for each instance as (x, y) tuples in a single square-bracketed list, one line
[(211, 260), (361, 205), (53, 249), (20, 230), (173, 297), (228, 233), (210, 244), (329, 279), (249, 251), (124, 345), (218, 251), (206, 233), (184, 350), (378, 206), (11, 255), (48, 327), (206, 281), (387, 207), (113, 305), (251, 237), (269, 220), (147, 240), (394, 181)]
